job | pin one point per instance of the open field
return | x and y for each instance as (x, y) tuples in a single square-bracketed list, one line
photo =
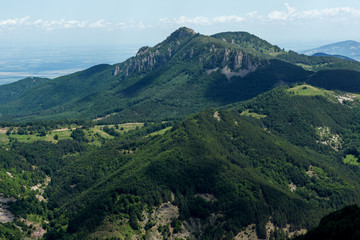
[(308, 90), (94, 135), (252, 114)]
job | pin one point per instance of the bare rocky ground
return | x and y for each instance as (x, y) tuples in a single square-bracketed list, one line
[(5, 215), (192, 228), (41, 188), (249, 233)]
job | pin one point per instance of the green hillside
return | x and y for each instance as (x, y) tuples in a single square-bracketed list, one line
[(250, 43), (241, 162), (184, 74), (12, 91), (270, 166)]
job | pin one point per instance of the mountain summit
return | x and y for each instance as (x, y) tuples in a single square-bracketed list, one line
[(184, 74), (183, 32)]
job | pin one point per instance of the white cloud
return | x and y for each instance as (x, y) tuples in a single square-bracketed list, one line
[(50, 25), (57, 24), (224, 19), (60, 24), (288, 14), (100, 24), (200, 20), (322, 14), (37, 22), (13, 22)]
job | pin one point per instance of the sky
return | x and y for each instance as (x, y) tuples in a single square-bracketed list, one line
[(290, 24)]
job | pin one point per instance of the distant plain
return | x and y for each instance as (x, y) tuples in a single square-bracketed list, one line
[(18, 62)]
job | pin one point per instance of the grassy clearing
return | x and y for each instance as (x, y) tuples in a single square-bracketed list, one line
[(62, 134), (308, 90), (352, 160), (306, 67), (33, 138), (160, 132), (252, 114), (312, 68), (95, 135), (130, 126), (4, 139)]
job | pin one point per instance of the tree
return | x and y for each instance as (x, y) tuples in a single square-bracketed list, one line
[(79, 135)]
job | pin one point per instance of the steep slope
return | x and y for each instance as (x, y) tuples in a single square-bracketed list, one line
[(184, 74), (57, 92), (348, 48), (221, 169)]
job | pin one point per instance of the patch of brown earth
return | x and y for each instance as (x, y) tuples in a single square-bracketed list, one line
[(5, 215), (216, 116)]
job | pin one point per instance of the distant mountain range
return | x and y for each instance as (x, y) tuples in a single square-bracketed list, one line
[(329, 55), (350, 49)]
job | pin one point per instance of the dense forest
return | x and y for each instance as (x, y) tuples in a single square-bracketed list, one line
[(284, 159)]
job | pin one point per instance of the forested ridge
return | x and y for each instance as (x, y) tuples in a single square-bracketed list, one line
[(264, 161)]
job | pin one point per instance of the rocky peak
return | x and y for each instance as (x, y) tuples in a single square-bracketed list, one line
[(142, 50), (183, 32)]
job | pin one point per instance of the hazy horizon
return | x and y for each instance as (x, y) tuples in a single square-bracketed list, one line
[(19, 62)]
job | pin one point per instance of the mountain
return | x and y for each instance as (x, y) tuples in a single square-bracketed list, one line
[(184, 74), (350, 49), (328, 55), (257, 149)]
